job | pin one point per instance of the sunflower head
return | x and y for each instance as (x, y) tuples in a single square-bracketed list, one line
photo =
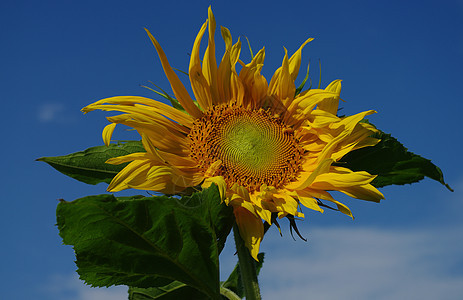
[(270, 150)]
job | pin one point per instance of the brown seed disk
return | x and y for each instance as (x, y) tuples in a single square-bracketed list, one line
[(255, 147)]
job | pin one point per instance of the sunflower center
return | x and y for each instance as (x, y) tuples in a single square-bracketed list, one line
[(255, 148), (248, 144)]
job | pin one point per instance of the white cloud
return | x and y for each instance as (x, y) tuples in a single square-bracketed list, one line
[(69, 287), (340, 263), (49, 112)]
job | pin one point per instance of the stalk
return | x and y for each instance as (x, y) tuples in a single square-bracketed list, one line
[(247, 268)]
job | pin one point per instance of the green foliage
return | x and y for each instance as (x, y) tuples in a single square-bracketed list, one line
[(173, 291), (392, 162), (147, 242), (89, 165), (234, 282), (301, 86)]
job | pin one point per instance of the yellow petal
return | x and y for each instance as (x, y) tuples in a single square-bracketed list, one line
[(131, 171), (265, 214), (342, 129), (230, 87), (308, 202), (235, 53), (242, 192), (181, 161), (227, 38), (213, 168), (251, 229), (127, 158), (161, 184), (152, 150), (209, 62), (142, 114), (324, 195), (287, 203), (157, 171), (163, 180), (322, 119), (302, 106), (295, 60), (348, 123), (358, 139), (343, 208), (219, 181), (107, 133), (307, 177), (334, 181), (151, 106), (320, 194), (255, 85), (282, 85), (331, 104), (163, 138), (173, 175), (199, 83), (178, 88), (364, 192)]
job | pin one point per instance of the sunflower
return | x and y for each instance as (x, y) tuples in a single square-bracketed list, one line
[(267, 146)]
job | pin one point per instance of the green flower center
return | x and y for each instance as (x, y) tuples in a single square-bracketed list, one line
[(254, 147), (248, 144)]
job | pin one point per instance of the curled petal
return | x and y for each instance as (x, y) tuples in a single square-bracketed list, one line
[(251, 229), (199, 83), (282, 84), (108, 132), (331, 104), (295, 60), (308, 177), (209, 62), (219, 181), (178, 88)]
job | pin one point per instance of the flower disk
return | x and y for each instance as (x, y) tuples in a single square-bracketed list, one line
[(254, 147)]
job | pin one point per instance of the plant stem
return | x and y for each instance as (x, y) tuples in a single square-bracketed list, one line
[(229, 294), (247, 268)]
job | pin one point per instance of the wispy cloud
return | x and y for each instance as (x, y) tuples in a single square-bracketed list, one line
[(49, 112), (69, 287), (365, 263)]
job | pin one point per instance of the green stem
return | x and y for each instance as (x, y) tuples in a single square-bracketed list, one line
[(229, 294), (247, 268)]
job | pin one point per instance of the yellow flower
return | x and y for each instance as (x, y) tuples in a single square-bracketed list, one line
[(267, 149)]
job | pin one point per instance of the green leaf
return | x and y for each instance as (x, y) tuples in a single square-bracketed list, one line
[(148, 242), (89, 165), (234, 282), (301, 86), (392, 162), (249, 46), (173, 291)]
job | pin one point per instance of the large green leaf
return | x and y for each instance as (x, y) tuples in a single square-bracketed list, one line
[(392, 162), (178, 290), (148, 241), (89, 165), (173, 291)]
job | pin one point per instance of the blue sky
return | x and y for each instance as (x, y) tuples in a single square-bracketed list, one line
[(401, 58)]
